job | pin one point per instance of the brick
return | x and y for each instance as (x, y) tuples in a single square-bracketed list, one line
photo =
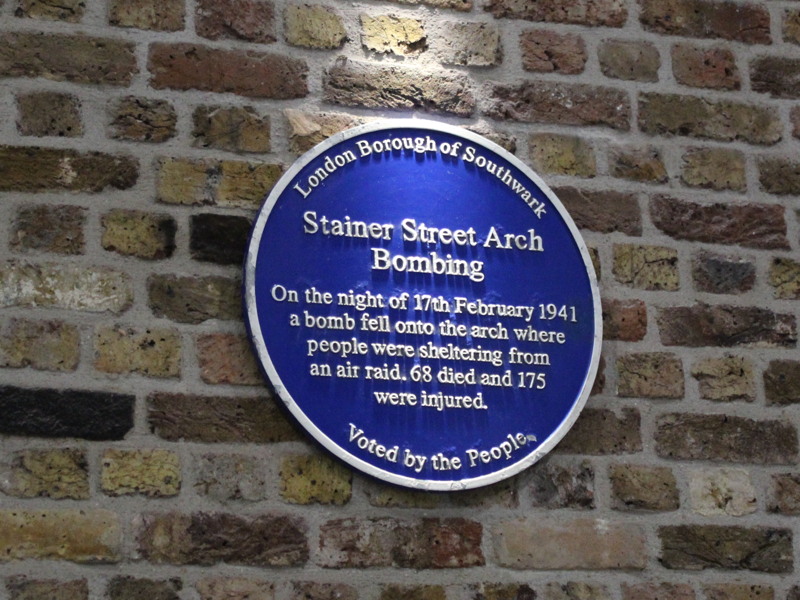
[(714, 168), (235, 128), (230, 477), (374, 86), (725, 121), (646, 267), (791, 26), (722, 492), (75, 58), (56, 473), (600, 431), (307, 590), (657, 375), (657, 591), (748, 23), (235, 588), (579, 544), (751, 225), (503, 591), (185, 181), (643, 164), (624, 320), (69, 287), (784, 494), (546, 51), (141, 234), (469, 44), (148, 472), (21, 588), (725, 438), (139, 119), (576, 590), (247, 20), (782, 383), (725, 326), (461, 5), (641, 487), (560, 103), (124, 587), (68, 11), (81, 536), (49, 228), (220, 239), (218, 419), (149, 352), (562, 484), (633, 61), (315, 479), (184, 66), (738, 591), (700, 67), (245, 184), (725, 379), (194, 299), (309, 129), (562, 155), (609, 13), (784, 277), (157, 15), (34, 169), (383, 542), (314, 26), (601, 211), (504, 494), (696, 547), (388, 34), (395, 591), (49, 114), (65, 413), (780, 176), (267, 540), (227, 358), (776, 75), (719, 274)]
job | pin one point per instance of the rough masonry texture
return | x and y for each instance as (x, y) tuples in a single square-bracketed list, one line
[(142, 454)]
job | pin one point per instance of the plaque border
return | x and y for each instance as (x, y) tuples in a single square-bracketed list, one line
[(265, 362)]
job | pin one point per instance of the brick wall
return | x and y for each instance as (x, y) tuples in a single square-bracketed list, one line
[(142, 457)]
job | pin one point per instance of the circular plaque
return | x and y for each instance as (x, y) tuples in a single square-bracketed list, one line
[(423, 304)]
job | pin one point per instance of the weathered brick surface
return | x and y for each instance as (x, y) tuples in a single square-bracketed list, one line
[(395, 591), (227, 358), (638, 487), (22, 588), (81, 536), (371, 86), (780, 176), (58, 229), (727, 326), (314, 26), (776, 76), (469, 44), (784, 277), (738, 591), (562, 103), (650, 375), (714, 168), (184, 66), (725, 379), (701, 67), (68, 11), (559, 484), (315, 479), (642, 164), (220, 239), (388, 34), (562, 155), (548, 51), (150, 472), (782, 382), (210, 538), (784, 494), (151, 352), (194, 299), (36, 169), (791, 26), (231, 477), (76, 58), (235, 588), (611, 13), (646, 267), (624, 320), (748, 23), (604, 212), (750, 225), (697, 547), (237, 129), (309, 129), (65, 413), (636, 61), (248, 20), (140, 234), (602, 431), (724, 438), (218, 419), (138, 119), (719, 274), (675, 114), (657, 591), (722, 492), (573, 590), (58, 474), (575, 544), (49, 114), (124, 587), (157, 15)]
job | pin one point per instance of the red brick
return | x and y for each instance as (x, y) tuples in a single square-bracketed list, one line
[(748, 23), (184, 66), (624, 320), (777, 76), (49, 114), (76, 58), (611, 13), (68, 11), (601, 431), (604, 212), (248, 20), (548, 51), (700, 67), (227, 358), (560, 103), (623, 59)]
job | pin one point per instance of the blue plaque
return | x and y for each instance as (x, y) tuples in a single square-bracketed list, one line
[(423, 305)]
